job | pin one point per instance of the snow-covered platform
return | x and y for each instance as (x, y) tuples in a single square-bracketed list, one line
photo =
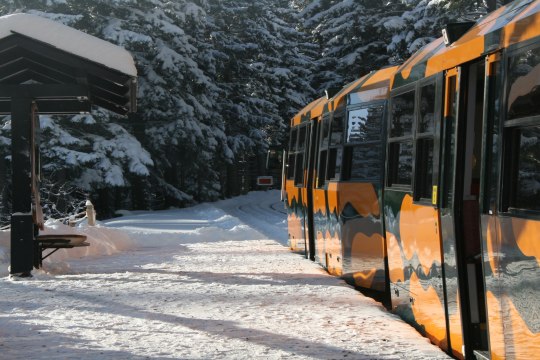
[(210, 282)]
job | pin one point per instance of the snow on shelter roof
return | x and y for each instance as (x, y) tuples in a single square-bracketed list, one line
[(69, 40)]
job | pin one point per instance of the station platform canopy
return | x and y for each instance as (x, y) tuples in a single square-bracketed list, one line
[(75, 70), (49, 68)]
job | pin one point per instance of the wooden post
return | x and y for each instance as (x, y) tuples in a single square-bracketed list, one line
[(90, 213), (22, 228)]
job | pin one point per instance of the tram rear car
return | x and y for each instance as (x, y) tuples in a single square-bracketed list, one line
[(435, 199), (298, 176)]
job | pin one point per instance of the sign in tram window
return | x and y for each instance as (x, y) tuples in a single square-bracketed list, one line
[(523, 96), (402, 114), (526, 186)]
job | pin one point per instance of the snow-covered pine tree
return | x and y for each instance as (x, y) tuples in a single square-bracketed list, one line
[(264, 70), (350, 44)]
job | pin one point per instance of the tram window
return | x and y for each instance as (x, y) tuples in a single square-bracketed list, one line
[(364, 124), (400, 159), (423, 183), (292, 143), (325, 133), (424, 166), (299, 169), (302, 138), (334, 163), (290, 166), (427, 108), (526, 173), (336, 135), (491, 147), (523, 95), (362, 162), (321, 175), (402, 114)]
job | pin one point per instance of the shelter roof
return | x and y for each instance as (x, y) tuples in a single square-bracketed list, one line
[(71, 69)]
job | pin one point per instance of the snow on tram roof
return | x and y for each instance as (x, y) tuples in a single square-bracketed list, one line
[(69, 40)]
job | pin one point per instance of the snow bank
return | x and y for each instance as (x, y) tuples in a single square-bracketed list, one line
[(103, 241)]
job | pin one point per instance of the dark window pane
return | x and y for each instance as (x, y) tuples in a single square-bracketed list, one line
[(527, 186), (523, 93), (402, 114), (334, 163), (427, 108), (292, 143), (290, 166), (424, 165), (299, 172), (363, 163), (321, 176), (400, 163), (302, 138), (325, 131), (365, 124), (336, 136)]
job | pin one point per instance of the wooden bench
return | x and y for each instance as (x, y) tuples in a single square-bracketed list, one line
[(55, 242)]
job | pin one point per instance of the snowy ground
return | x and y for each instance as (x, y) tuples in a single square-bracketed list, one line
[(210, 282)]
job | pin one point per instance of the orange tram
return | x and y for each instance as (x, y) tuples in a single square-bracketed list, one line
[(420, 184)]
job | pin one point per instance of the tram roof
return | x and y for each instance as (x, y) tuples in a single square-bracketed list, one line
[(310, 111), (88, 70), (371, 87), (513, 23)]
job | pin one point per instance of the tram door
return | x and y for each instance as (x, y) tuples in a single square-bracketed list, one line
[(460, 215), (311, 152)]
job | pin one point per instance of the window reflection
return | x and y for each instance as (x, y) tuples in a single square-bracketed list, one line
[(290, 166), (337, 131), (427, 108), (292, 143), (527, 187), (365, 162), (523, 97), (424, 162), (402, 114), (325, 133), (401, 156), (302, 138), (365, 124)]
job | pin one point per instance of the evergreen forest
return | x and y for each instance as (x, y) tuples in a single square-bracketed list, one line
[(218, 83)]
